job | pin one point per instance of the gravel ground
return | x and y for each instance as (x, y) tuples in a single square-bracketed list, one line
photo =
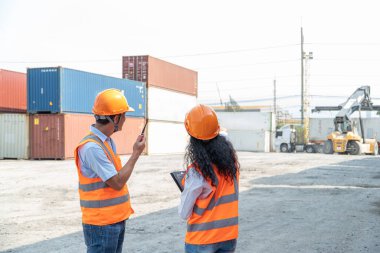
[(288, 203)]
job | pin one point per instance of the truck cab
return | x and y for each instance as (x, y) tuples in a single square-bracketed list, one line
[(286, 138)]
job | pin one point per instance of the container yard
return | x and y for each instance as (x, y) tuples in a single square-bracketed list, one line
[(208, 126), (306, 199)]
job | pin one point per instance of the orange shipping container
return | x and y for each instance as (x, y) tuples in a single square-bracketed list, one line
[(159, 73), (12, 91), (55, 136)]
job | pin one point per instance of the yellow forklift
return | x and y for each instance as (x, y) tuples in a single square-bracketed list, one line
[(345, 139)]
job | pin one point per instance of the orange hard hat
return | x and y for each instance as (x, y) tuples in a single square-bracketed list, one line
[(111, 102), (202, 123)]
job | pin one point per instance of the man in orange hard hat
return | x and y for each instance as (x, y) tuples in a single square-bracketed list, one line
[(103, 193)]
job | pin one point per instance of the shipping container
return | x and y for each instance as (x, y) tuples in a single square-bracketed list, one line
[(166, 137), (371, 128), (14, 135), (320, 128), (159, 73), (63, 90), (246, 120), (250, 140), (168, 105), (55, 136), (12, 91)]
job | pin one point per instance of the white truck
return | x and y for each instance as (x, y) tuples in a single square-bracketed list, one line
[(287, 141)]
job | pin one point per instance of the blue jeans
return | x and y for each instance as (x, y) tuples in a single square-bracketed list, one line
[(104, 239), (220, 247)]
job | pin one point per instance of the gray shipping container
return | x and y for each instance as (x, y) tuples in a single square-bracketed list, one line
[(246, 120), (14, 135), (320, 128), (250, 140)]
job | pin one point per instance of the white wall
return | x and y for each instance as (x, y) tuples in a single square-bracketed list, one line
[(168, 105), (166, 137)]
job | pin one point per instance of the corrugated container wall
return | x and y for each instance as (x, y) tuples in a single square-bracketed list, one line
[(243, 120), (55, 136), (14, 135), (62, 90), (257, 126), (12, 91), (320, 128), (250, 140), (371, 128), (168, 105), (166, 137), (159, 73)]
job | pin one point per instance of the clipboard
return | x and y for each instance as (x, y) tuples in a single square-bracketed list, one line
[(177, 177)]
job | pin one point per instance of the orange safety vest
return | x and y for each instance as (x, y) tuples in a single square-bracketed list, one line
[(100, 204), (215, 218)]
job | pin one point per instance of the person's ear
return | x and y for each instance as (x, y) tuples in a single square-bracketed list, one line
[(116, 119)]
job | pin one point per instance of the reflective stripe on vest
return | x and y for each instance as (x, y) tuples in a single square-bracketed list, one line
[(104, 203), (222, 200), (213, 224), (99, 141), (93, 186)]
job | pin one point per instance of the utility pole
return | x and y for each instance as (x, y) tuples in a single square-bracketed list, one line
[(274, 100), (302, 73), (305, 100)]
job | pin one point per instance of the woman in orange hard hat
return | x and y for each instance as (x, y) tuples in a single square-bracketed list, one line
[(103, 193), (209, 200)]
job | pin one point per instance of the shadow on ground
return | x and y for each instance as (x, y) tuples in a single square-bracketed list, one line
[(334, 208)]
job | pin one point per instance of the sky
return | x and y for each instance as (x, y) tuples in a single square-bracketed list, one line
[(237, 47)]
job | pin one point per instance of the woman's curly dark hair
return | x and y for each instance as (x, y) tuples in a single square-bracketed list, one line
[(217, 151)]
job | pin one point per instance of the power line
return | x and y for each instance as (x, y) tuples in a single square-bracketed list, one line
[(60, 61), (230, 51), (249, 79), (344, 43), (172, 56), (245, 65)]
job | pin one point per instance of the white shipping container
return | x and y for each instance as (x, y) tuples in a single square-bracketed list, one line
[(243, 120), (166, 137), (168, 105), (250, 140), (14, 135)]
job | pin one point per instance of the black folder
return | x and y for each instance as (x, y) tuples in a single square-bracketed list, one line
[(177, 177)]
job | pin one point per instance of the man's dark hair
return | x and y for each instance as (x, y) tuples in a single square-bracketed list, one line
[(105, 121)]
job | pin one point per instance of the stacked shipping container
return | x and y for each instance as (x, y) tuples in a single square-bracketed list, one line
[(55, 136), (60, 101), (13, 118), (171, 93), (12, 91)]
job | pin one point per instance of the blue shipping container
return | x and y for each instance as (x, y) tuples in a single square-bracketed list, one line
[(63, 90)]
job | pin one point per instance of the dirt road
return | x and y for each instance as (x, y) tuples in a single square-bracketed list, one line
[(288, 203)]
